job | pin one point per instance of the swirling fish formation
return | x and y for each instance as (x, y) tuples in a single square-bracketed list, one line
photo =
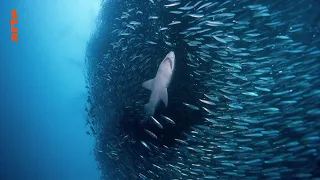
[(244, 101)]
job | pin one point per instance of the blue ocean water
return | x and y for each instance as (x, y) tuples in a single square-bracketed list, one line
[(42, 91), (43, 94)]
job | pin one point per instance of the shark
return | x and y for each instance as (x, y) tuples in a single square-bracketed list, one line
[(159, 84)]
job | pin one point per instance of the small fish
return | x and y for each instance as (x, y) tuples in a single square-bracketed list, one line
[(145, 145), (207, 102), (186, 8), (211, 120), (172, 4), (153, 17), (176, 12), (214, 23), (168, 119), (250, 94), (219, 39), (228, 164), (151, 42), (174, 23), (163, 28), (272, 109), (124, 34), (157, 122), (191, 106), (205, 5), (263, 89), (282, 37), (134, 23), (181, 141), (195, 15), (151, 133)]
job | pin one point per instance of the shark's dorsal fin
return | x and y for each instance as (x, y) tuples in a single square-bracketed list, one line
[(164, 96), (148, 84)]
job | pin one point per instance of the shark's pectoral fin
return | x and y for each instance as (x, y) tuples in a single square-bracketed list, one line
[(164, 96), (148, 84)]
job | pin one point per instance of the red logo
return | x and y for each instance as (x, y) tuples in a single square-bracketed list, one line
[(14, 30)]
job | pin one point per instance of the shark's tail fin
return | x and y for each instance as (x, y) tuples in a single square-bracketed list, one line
[(149, 109)]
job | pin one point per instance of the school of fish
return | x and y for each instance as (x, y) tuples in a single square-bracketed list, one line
[(243, 102)]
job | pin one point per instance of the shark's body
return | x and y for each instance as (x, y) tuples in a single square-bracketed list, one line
[(159, 84)]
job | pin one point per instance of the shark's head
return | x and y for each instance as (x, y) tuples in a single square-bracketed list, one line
[(168, 62)]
